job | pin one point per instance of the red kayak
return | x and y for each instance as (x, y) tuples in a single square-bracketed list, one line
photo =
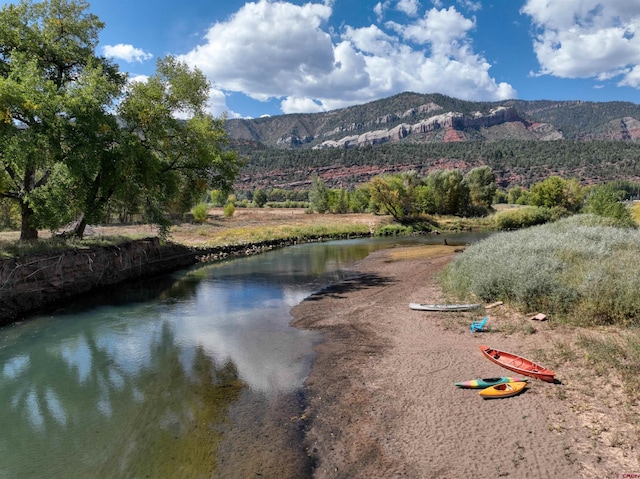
[(518, 364)]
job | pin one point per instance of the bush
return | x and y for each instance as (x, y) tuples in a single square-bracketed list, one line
[(522, 217), (229, 209), (579, 268), (200, 212)]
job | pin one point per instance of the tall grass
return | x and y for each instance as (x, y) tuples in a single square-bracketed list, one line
[(11, 249), (620, 352), (580, 269)]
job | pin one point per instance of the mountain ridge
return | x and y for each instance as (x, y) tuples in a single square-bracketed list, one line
[(434, 117), (523, 141)]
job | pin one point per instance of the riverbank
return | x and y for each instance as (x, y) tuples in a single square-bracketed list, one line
[(38, 277), (381, 399)]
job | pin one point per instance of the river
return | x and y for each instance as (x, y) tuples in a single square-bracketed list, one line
[(195, 374)]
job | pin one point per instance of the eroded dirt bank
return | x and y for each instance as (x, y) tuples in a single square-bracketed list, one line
[(32, 283)]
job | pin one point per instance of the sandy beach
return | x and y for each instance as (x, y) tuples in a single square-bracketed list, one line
[(382, 401)]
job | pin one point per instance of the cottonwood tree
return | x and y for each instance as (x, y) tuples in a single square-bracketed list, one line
[(76, 137), (169, 151), (46, 54), (482, 186), (396, 194), (556, 191)]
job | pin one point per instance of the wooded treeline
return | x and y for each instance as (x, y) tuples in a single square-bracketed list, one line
[(514, 162)]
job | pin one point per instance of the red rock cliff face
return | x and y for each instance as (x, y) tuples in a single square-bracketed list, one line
[(31, 283)]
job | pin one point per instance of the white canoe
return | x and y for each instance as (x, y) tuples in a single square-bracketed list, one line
[(443, 307)]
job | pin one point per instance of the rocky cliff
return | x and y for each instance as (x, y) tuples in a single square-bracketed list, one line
[(437, 118), (448, 122)]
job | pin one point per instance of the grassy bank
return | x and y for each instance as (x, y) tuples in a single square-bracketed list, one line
[(580, 271)]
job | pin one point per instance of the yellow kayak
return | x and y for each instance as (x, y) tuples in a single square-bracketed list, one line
[(503, 390)]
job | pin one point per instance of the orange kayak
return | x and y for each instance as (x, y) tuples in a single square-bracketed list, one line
[(503, 390), (518, 364)]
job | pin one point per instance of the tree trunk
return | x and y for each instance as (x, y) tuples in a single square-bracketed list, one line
[(78, 231), (27, 232)]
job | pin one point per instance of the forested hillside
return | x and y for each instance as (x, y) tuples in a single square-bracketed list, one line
[(514, 162), (522, 141)]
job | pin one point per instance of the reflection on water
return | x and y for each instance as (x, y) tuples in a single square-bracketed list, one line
[(151, 380)]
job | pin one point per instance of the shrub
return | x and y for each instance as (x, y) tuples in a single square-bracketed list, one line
[(200, 212), (229, 209), (580, 268), (518, 218)]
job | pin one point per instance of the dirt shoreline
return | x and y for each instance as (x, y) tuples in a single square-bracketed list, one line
[(381, 398)]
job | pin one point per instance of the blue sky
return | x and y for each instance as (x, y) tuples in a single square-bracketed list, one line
[(269, 57)]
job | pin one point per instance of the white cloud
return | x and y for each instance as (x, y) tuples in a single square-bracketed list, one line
[(300, 105), (139, 78), (127, 53), (309, 70), (470, 5), (632, 78), (587, 39), (380, 8), (409, 7), (444, 29)]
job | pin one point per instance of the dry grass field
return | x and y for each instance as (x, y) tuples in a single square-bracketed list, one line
[(246, 225)]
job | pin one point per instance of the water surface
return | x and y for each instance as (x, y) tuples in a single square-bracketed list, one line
[(196, 374)]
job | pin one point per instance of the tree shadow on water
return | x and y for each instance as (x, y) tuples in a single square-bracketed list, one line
[(354, 283)]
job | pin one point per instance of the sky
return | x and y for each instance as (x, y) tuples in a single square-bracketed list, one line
[(267, 57)]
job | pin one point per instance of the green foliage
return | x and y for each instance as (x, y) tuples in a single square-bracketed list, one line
[(200, 213), (318, 196), (53, 86), (556, 191), (500, 197), (450, 192), (514, 194), (360, 199), (605, 200), (482, 186), (218, 197), (228, 210), (9, 215), (288, 204), (338, 201), (72, 129), (579, 268), (259, 198), (521, 162), (524, 217), (405, 196)]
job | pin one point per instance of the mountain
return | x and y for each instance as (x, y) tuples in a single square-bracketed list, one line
[(440, 131)]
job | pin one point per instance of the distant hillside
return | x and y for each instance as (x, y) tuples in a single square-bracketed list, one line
[(423, 132)]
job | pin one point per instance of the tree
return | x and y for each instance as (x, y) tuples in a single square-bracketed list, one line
[(318, 195), (449, 194), (339, 201), (556, 191), (75, 140), (174, 160), (48, 75), (605, 200), (260, 198), (515, 193), (396, 194), (482, 186)]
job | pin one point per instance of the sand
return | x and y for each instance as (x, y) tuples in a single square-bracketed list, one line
[(381, 396)]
